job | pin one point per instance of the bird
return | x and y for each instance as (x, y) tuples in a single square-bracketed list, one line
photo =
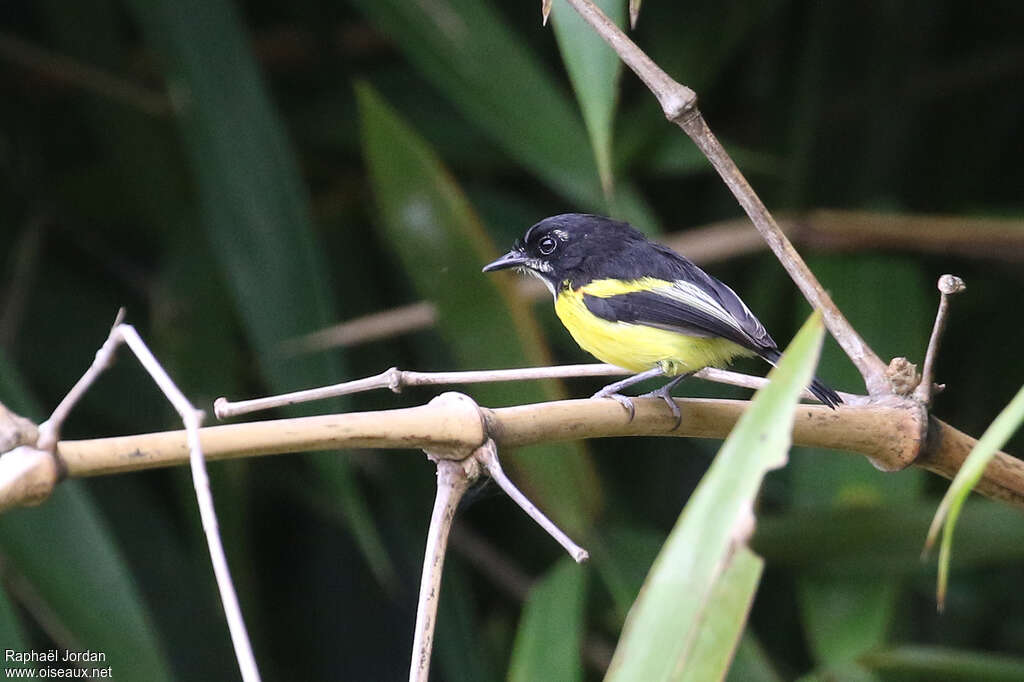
[(639, 305)]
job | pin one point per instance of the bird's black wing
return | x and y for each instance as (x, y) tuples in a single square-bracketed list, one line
[(685, 270), (664, 308), (690, 302)]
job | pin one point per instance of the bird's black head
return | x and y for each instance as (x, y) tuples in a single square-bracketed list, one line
[(573, 247)]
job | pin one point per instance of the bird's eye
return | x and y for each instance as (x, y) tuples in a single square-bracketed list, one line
[(547, 245)]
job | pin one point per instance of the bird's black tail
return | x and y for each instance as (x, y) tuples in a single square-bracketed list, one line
[(819, 390)]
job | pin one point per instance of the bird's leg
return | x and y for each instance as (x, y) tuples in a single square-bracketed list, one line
[(612, 390), (665, 393)]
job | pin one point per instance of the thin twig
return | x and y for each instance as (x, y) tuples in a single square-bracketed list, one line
[(679, 104), (500, 569), (192, 419), (66, 70), (365, 329), (453, 478), (49, 430), (49, 433), (24, 268), (948, 286), (822, 229), (488, 457), (396, 379)]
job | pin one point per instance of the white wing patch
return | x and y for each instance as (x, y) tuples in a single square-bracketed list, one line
[(693, 296)]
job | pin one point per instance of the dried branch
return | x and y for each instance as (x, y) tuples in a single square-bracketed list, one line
[(679, 104), (25, 266), (999, 239), (365, 329), (487, 455)]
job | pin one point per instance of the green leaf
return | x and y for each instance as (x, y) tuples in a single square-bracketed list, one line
[(468, 52), (863, 542), (252, 203), (550, 634), (594, 70), (751, 663), (442, 245), (845, 616), (845, 671), (664, 625), (11, 633), (995, 436), (720, 631), (456, 643), (252, 200), (622, 556), (934, 663), (65, 551)]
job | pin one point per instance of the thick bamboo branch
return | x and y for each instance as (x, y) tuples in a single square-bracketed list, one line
[(889, 435), (679, 104), (944, 453)]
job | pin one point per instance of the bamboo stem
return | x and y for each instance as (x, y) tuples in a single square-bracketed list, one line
[(889, 435)]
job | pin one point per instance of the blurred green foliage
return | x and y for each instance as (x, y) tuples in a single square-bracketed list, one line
[(254, 203)]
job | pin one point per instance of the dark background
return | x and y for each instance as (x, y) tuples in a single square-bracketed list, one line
[(208, 166)]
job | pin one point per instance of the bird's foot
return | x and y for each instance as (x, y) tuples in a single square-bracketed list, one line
[(623, 400), (665, 393)]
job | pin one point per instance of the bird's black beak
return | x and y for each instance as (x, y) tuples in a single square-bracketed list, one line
[(513, 258)]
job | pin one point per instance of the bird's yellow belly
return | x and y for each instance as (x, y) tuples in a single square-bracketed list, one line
[(638, 347)]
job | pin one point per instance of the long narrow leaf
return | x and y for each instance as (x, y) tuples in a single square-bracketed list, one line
[(995, 436), (664, 624), (864, 542), (66, 551), (594, 70), (551, 628), (923, 662), (253, 203), (729, 603)]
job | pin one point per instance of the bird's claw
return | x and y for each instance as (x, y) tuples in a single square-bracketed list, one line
[(623, 400), (665, 393)]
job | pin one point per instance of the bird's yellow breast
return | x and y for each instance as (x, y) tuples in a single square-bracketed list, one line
[(637, 347)]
